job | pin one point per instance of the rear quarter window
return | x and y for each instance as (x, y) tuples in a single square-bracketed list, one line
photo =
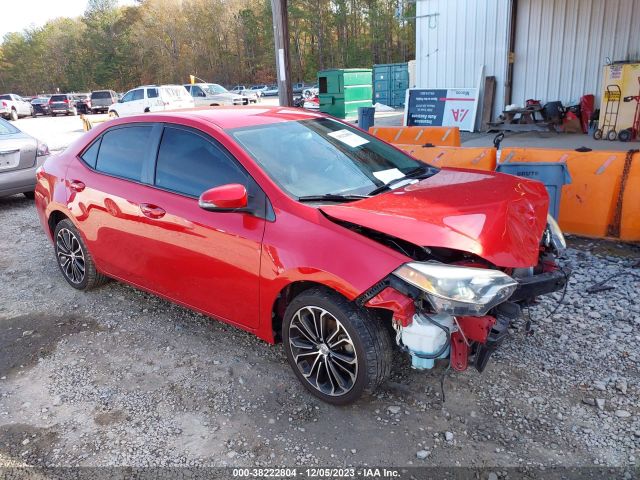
[(90, 155), (123, 151)]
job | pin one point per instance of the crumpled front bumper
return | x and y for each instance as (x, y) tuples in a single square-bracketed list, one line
[(540, 284)]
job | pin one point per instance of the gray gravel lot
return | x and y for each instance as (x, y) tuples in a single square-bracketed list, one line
[(119, 377)]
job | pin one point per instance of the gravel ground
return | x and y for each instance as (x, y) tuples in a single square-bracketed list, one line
[(119, 377)]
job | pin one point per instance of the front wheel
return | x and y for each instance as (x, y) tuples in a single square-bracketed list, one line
[(74, 260), (337, 350)]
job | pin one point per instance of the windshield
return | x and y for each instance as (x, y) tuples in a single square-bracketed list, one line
[(214, 88), (322, 156)]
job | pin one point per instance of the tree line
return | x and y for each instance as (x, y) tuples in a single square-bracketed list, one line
[(221, 41)]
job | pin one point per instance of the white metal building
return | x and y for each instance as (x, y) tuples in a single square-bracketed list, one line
[(558, 46)]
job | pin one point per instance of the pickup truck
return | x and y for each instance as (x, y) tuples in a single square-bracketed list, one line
[(13, 106), (212, 94)]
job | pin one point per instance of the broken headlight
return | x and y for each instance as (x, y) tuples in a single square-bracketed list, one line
[(556, 237), (458, 290)]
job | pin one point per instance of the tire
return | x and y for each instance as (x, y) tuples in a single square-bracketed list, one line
[(33, 113), (29, 195), (352, 356), (53, 114), (597, 135), (70, 247), (74, 111), (13, 116), (612, 135), (624, 135), (113, 114)]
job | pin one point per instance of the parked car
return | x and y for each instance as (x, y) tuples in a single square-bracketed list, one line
[(301, 228), (83, 102), (238, 89), (212, 94), (151, 98), (310, 92), (20, 156), (40, 106), (101, 100), (271, 91), (62, 104), (13, 106), (259, 89), (298, 87)]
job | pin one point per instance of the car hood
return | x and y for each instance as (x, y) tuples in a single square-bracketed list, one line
[(498, 217)]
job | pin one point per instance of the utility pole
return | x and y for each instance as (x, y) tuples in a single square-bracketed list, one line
[(281, 40)]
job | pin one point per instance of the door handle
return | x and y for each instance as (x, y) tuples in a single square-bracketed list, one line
[(76, 185), (152, 211)]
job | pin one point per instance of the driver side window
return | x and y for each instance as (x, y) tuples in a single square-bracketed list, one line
[(188, 163)]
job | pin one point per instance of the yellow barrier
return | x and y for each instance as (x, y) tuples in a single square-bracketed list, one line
[(438, 136), (459, 157), (588, 204), (89, 121)]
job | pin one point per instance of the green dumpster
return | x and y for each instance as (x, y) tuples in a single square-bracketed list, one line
[(342, 91)]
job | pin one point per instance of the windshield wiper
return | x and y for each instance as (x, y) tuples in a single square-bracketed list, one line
[(423, 171), (331, 197)]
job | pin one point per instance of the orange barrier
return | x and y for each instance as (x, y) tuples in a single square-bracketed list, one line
[(461, 157), (438, 136), (588, 204)]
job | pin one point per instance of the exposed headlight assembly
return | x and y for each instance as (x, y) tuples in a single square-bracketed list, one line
[(458, 290), (557, 237)]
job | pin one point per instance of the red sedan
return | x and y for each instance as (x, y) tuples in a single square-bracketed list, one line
[(303, 229)]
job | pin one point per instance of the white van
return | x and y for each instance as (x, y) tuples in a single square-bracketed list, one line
[(151, 98)]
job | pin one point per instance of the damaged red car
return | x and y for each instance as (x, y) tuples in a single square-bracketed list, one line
[(303, 229)]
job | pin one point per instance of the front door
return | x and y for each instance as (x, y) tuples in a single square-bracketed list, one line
[(207, 260)]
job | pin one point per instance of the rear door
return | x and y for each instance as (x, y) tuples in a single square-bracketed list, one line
[(106, 189), (17, 149)]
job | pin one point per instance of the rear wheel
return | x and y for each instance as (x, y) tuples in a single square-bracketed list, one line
[(13, 115), (337, 350), (113, 114), (611, 135), (74, 259), (597, 135)]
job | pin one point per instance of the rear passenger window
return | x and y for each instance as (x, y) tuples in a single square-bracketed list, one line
[(123, 150), (90, 155), (191, 164), (152, 93)]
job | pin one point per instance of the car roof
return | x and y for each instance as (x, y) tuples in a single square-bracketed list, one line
[(234, 117)]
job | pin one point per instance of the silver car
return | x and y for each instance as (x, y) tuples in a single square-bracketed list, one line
[(20, 156)]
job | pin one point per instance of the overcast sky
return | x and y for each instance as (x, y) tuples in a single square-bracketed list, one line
[(15, 16)]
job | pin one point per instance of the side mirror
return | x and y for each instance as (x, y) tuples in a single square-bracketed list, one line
[(225, 198)]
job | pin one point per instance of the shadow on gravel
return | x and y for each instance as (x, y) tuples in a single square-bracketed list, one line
[(25, 443), (25, 339), (14, 201)]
